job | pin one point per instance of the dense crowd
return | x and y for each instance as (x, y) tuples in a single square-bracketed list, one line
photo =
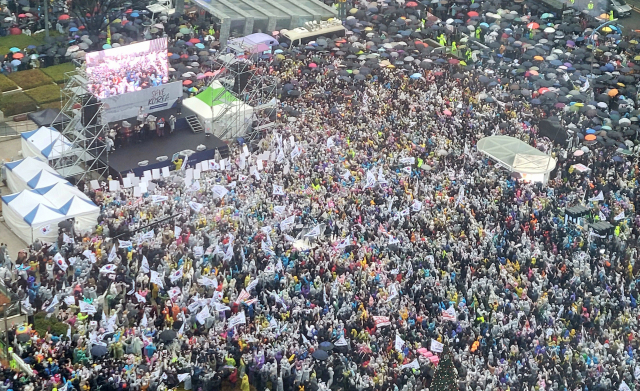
[(367, 231)]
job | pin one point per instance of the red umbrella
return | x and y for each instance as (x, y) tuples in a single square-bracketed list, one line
[(63, 17), (412, 4), (194, 40), (533, 25), (187, 82), (22, 16), (18, 56), (313, 65), (472, 14), (447, 112), (454, 61), (15, 31), (128, 11), (209, 74)]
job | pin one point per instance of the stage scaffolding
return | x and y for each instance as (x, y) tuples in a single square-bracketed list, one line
[(87, 159), (247, 79)]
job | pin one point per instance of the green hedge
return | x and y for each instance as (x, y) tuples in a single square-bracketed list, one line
[(17, 103), (41, 325), (6, 84), (57, 72), (44, 94), (29, 79)]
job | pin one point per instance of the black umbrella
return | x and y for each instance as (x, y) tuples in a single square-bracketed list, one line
[(326, 346), (320, 355), (168, 335), (98, 350)]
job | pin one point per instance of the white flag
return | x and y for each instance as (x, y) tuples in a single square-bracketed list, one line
[(407, 170), (599, 197), (330, 142), (287, 223), (436, 346), (416, 206), (413, 365), (197, 207), (108, 268), (278, 190), (219, 191), (156, 279), (144, 322), (239, 318), (624, 387), (88, 308), (620, 216), (314, 232), (144, 266), (176, 231), (112, 254), (70, 300), (636, 372), (175, 276), (182, 377), (52, 306), (279, 209), (124, 243), (450, 314), (67, 239), (203, 314), (399, 343), (141, 299), (602, 216), (181, 331), (62, 264)]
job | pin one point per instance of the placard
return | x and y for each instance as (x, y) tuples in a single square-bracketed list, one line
[(126, 183), (155, 173), (147, 175), (143, 187), (165, 172), (137, 192), (95, 185), (114, 185)]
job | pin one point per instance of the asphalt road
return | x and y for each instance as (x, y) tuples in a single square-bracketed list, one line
[(632, 22)]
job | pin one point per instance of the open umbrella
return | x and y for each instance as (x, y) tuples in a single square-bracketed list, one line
[(98, 350), (320, 355), (168, 335), (326, 346)]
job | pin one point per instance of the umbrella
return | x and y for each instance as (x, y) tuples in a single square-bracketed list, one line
[(98, 350), (15, 63), (320, 355), (326, 346), (14, 50), (168, 335)]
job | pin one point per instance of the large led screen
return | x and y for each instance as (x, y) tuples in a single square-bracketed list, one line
[(128, 68)]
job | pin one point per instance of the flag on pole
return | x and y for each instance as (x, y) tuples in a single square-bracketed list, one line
[(599, 197), (449, 314), (436, 346), (314, 232), (399, 343)]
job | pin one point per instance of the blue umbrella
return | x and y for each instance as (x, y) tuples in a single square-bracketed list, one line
[(73, 29), (14, 50), (199, 46), (416, 76), (31, 47), (106, 46), (135, 14), (535, 101), (15, 63), (174, 56)]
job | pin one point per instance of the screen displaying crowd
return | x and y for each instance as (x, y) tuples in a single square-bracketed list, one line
[(126, 69)]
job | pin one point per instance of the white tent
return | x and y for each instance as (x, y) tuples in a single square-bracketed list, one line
[(31, 216), (220, 112), (72, 203), (45, 142), (45, 178), (518, 157), (21, 171)]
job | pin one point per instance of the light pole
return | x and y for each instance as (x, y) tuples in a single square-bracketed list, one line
[(593, 44)]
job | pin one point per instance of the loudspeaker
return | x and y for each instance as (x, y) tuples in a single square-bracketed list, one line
[(242, 77), (90, 109)]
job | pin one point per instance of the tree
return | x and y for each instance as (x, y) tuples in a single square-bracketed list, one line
[(445, 378), (95, 14)]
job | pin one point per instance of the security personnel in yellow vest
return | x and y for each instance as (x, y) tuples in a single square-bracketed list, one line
[(611, 15), (478, 31), (442, 39), (454, 48), (590, 5)]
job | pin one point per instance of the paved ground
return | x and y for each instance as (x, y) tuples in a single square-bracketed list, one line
[(633, 22)]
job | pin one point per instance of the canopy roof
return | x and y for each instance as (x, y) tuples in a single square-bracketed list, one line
[(516, 155), (216, 96)]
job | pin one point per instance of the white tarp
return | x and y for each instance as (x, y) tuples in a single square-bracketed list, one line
[(45, 178), (72, 203), (22, 171), (44, 142), (516, 155)]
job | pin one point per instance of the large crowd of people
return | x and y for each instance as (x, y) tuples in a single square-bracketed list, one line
[(367, 232)]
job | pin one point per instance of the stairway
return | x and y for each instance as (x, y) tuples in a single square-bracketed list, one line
[(194, 124)]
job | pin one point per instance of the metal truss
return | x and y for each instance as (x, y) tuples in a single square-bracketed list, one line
[(87, 157), (259, 92)]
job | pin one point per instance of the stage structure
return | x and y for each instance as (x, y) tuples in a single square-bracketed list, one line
[(81, 113), (251, 86)]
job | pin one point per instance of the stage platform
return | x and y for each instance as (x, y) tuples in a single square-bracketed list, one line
[(125, 158)]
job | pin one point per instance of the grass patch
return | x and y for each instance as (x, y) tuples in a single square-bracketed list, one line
[(20, 41), (6, 84), (44, 94), (29, 79), (17, 103), (53, 105), (57, 72)]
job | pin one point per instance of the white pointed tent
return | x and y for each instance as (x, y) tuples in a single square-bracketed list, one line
[(22, 171), (220, 112), (45, 142), (35, 214), (45, 178), (31, 216), (72, 203)]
